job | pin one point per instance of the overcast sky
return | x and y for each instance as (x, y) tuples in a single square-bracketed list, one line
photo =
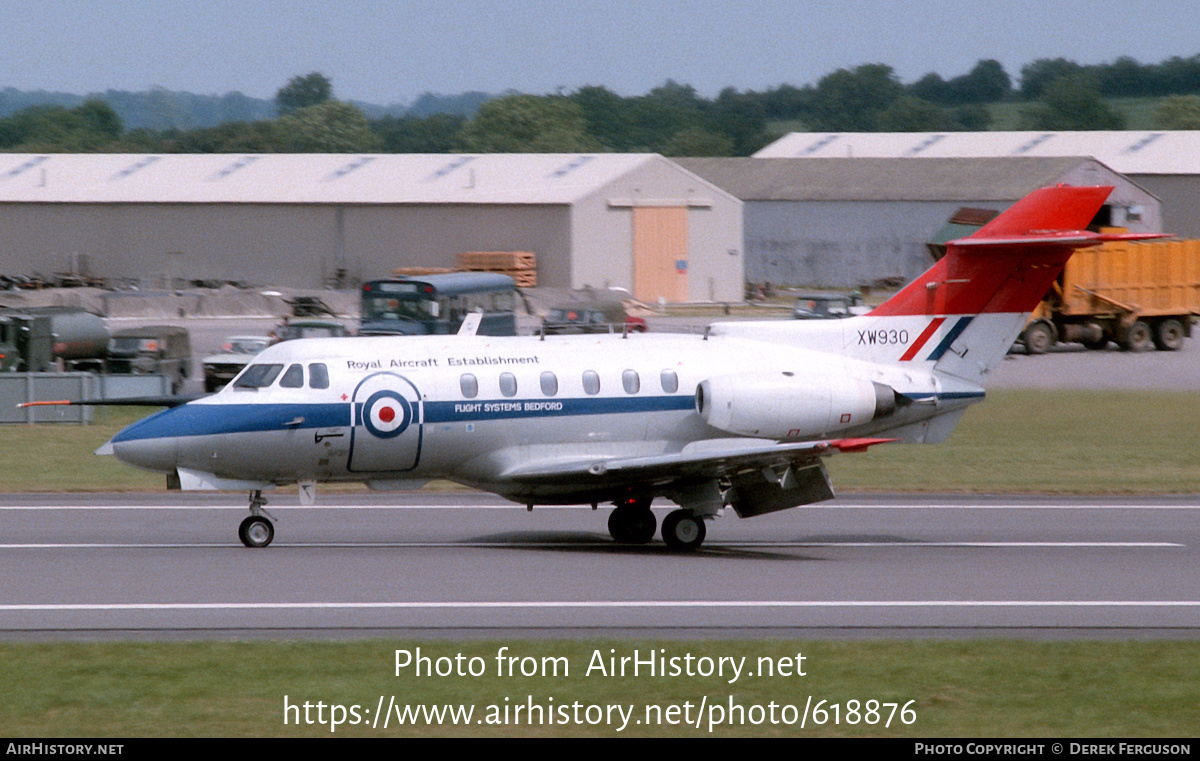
[(391, 52)]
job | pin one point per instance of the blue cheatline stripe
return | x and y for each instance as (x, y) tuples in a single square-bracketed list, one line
[(954, 333), (505, 409), (210, 419)]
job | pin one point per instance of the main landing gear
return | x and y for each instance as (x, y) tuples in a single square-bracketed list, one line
[(257, 530), (632, 522), (683, 530)]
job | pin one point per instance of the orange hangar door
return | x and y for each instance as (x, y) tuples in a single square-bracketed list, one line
[(660, 253)]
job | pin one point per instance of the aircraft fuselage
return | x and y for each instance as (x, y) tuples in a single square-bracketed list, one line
[(473, 409)]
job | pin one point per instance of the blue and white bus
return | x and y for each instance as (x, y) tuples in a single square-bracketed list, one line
[(437, 304)]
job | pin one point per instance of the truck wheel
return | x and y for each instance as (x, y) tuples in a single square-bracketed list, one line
[(1136, 337), (1168, 335), (1038, 338)]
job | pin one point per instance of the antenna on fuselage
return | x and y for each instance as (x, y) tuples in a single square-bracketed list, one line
[(470, 324)]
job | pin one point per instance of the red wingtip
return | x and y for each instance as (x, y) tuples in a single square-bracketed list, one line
[(857, 445)]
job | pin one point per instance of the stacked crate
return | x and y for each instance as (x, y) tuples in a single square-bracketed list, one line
[(420, 271), (521, 266)]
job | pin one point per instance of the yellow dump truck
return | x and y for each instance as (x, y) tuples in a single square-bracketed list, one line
[(1137, 294)]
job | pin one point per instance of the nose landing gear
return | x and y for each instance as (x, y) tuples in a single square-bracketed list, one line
[(257, 530)]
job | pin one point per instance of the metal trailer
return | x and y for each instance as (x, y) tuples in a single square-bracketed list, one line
[(1139, 295), (36, 339)]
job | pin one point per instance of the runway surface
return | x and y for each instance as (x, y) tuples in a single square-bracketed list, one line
[(466, 564)]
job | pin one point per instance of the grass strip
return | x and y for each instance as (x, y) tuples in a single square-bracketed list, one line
[(975, 688)]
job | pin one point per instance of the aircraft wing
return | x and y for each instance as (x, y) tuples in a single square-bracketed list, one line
[(128, 401), (707, 463)]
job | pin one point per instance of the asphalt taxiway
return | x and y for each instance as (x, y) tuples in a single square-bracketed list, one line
[(462, 563)]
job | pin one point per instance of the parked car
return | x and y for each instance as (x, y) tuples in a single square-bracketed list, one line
[(152, 350), (591, 317), (825, 306), (236, 352)]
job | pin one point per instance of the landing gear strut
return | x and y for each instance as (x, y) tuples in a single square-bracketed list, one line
[(257, 530), (632, 522)]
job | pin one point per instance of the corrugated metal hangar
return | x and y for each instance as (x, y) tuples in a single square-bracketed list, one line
[(854, 222), (1164, 162), (636, 221)]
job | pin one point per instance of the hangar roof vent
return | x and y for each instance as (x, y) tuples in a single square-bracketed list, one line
[(134, 168), (238, 165)]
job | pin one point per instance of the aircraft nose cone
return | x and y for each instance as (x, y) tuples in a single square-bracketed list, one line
[(148, 444), (151, 454)]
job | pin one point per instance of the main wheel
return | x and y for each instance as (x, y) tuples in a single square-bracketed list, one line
[(1169, 335), (256, 531), (1136, 337), (632, 524), (683, 530)]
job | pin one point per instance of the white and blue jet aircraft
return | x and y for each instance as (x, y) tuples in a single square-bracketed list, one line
[(740, 417)]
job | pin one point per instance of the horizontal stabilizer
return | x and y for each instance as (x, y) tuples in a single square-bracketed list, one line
[(1070, 238), (1008, 264), (1047, 211)]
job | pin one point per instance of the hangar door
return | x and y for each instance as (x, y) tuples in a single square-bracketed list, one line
[(660, 258)]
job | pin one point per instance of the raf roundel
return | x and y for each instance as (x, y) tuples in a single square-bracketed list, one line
[(386, 414)]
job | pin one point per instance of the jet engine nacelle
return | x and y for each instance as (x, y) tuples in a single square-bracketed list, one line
[(791, 405)]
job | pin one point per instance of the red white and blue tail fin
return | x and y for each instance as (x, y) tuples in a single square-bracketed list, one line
[(965, 311)]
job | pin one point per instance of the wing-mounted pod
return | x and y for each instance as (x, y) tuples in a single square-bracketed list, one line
[(787, 405)]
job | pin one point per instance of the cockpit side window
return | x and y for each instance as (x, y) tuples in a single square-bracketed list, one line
[(293, 378), (318, 375), (258, 376)]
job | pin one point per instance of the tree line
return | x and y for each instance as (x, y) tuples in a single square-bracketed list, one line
[(672, 119)]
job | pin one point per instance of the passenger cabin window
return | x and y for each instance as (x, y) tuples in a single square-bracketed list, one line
[(631, 381), (669, 381), (258, 376), (293, 378), (549, 383), (591, 382), (469, 386), (318, 375), (508, 384)]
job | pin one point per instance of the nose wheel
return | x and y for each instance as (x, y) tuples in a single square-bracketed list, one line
[(257, 530)]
